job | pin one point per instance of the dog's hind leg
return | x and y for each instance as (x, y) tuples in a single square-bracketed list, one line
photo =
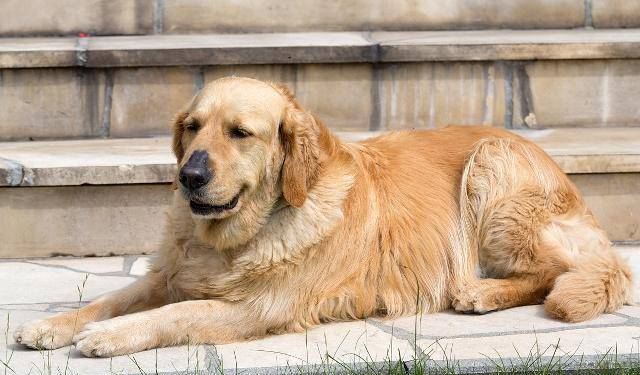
[(58, 331), (520, 268)]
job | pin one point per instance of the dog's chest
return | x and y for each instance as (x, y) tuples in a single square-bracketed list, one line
[(201, 272)]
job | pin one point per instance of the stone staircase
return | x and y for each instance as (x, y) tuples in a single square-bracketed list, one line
[(85, 162)]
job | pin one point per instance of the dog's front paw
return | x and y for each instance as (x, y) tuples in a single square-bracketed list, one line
[(50, 333), (109, 338), (471, 302)]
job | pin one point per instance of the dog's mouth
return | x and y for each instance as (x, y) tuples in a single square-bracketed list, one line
[(200, 208)]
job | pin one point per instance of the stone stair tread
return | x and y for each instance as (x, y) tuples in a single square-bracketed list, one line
[(149, 160), (318, 47)]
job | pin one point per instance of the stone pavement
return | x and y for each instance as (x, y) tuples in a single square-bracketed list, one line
[(34, 288)]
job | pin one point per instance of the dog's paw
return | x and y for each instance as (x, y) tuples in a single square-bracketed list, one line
[(51, 333), (108, 338), (471, 302)]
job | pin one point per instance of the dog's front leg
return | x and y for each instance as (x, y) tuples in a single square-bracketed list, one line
[(193, 322), (58, 331)]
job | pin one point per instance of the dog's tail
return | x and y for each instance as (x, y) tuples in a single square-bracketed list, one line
[(597, 284)]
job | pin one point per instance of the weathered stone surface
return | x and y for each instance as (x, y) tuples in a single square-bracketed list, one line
[(615, 13), (428, 95), (283, 74), (53, 284), (577, 93), (615, 201), (27, 361), (149, 160), (347, 342), (573, 343), (38, 52), (182, 16), (319, 47), (78, 162), (140, 267), (67, 17), (220, 49), (86, 220), (145, 101), (485, 45), (50, 103), (519, 319), (92, 265), (340, 95)]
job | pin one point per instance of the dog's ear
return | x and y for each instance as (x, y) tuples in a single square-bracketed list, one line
[(299, 136), (178, 131)]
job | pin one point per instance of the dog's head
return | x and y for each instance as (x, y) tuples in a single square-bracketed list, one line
[(241, 145)]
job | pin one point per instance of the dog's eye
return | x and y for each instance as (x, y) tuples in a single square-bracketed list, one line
[(239, 133), (193, 126)]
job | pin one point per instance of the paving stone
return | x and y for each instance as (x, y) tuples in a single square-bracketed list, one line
[(50, 103), (23, 360), (334, 92), (145, 101), (45, 221), (615, 13), (577, 93), (346, 342), (92, 265), (519, 319), (140, 266), (574, 343), (184, 16), (429, 95), (33, 282), (42, 17), (27, 307)]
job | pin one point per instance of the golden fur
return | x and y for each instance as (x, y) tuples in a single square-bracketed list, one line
[(473, 218)]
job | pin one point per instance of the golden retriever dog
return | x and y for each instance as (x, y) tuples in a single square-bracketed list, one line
[(277, 225)]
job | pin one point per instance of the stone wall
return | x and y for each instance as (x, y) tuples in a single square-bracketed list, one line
[(129, 17), (132, 102)]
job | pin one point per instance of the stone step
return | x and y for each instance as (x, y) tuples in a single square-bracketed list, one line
[(318, 47), (114, 17), (100, 87), (98, 197)]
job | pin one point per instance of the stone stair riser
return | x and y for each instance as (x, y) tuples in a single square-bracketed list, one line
[(129, 219), (130, 102), (129, 17)]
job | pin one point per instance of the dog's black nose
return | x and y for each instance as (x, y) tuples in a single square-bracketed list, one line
[(195, 173)]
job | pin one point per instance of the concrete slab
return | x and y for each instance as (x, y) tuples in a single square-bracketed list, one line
[(149, 160), (93, 265), (466, 342)]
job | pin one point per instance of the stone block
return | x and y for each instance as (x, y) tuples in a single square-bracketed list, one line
[(67, 283), (68, 17), (614, 199), (228, 16), (346, 342), (145, 100), (615, 13), (519, 319), (573, 344), (82, 220), (341, 95), (577, 93), (92, 265), (429, 95), (51, 103)]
